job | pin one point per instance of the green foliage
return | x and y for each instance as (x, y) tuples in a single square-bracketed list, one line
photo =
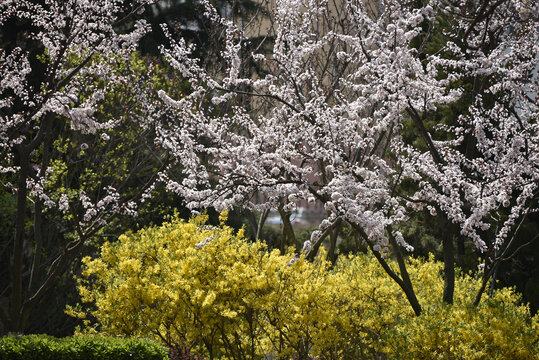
[(44, 347), (212, 293)]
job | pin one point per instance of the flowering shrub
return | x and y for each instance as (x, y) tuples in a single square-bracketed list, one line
[(498, 328), (209, 293)]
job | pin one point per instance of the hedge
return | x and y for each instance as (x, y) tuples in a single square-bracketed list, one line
[(44, 347)]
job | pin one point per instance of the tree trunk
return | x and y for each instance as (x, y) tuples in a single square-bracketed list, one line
[(38, 240), (404, 282), (333, 235), (261, 222), (288, 231), (449, 267), (407, 283), (15, 318)]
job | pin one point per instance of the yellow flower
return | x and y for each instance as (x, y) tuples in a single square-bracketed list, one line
[(233, 296)]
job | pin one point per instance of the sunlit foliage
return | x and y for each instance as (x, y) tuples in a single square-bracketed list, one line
[(221, 296)]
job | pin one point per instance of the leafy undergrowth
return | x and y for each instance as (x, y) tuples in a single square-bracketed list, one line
[(44, 347)]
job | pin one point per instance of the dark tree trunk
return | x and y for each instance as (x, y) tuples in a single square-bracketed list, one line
[(449, 267), (15, 319)]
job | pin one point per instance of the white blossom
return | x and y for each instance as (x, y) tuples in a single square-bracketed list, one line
[(307, 246), (328, 126)]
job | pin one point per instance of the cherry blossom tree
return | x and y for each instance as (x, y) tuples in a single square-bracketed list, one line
[(323, 120), (485, 178), (59, 63)]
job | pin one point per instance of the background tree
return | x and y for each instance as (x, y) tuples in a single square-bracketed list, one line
[(70, 163), (185, 19)]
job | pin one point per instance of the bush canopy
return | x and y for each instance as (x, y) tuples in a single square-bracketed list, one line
[(216, 295)]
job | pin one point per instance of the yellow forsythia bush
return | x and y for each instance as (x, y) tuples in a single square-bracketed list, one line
[(222, 297), (498, 328)]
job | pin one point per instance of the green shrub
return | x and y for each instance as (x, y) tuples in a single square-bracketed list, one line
[(44, 347)]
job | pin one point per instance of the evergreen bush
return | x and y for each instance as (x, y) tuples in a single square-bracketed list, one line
[(44, 347)]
